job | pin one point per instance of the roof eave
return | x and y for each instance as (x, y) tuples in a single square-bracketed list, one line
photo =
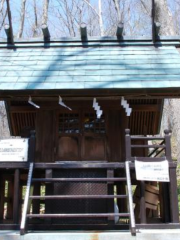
[(98, 41)]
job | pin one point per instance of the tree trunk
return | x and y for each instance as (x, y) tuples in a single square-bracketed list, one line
[(4, 130), (164, 17), (45, 12), (35, 27), (100, 19), (22, 18), (117, 7)]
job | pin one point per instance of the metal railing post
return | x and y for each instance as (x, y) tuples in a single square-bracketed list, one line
[(131, 210), (26, 200)]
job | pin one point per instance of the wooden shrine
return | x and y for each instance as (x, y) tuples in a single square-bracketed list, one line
[(89, 108)]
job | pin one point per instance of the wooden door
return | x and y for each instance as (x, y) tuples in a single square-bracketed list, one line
[(93, 137), (81, 136)]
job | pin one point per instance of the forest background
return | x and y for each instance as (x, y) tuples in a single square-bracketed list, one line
[(64, 18)]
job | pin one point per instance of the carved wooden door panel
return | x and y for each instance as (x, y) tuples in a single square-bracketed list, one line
[(93, 137), (81, 136), (69, 136)]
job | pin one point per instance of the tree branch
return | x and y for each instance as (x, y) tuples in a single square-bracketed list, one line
[(145, 8), (3, 21), (117, 7), (92, 7)]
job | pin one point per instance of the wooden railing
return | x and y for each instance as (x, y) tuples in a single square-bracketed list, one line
[(10, 182), (165, 146), (170, 199)]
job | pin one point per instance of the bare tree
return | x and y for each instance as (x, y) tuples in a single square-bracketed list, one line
[(101, 19), (45, 12), (99, 14), (1, 6), (164, 17), (22, 18), (35, 27), (2, 14), (117, 7), (4, 130)]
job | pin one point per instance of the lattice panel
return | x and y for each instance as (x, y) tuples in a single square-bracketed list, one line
[(94, 125), (80, 188), (141, 123), (22, 120), (143, 101), (69, 123)]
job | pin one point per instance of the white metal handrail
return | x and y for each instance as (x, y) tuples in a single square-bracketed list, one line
[(26, 200), (131, 210)]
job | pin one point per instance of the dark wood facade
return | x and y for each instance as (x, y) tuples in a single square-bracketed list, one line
[(63, 137), (77, 135)]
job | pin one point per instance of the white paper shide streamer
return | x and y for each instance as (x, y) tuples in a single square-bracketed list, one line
[(32, 103), (63, 104), (96, 107), (125, 105)]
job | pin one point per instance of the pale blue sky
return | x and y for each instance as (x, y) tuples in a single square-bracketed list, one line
[(57, 27)]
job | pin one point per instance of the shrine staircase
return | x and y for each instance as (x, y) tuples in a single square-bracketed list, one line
[(107, 218)]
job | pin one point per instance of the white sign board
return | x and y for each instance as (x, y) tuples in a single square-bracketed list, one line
[(14, 150), (152, 171)]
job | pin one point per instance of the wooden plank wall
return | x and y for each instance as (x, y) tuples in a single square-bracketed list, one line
[(45, 136), (144, 120)]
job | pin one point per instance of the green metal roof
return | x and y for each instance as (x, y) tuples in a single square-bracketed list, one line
[(89, 66)]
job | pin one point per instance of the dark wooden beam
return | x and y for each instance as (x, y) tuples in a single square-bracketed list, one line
[(142, 203), (174, 210), (157, 28), (8, 32), (120, 28), (83, 94), (8, 28), (153, 21), (16, 201), (136, 108), (46, 32), (83, 31)]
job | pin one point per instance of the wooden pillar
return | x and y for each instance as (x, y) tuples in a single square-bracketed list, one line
[(168, 145), (36, 202), (173, 196), (164, 201), (114, 136), (153, 21), (20, 198), (16, 203), (121, 190), (2, 187), (49, 191), (142, 203), (174, 211), (32, 147), (128, 144), (45, 136), (110, 174)]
